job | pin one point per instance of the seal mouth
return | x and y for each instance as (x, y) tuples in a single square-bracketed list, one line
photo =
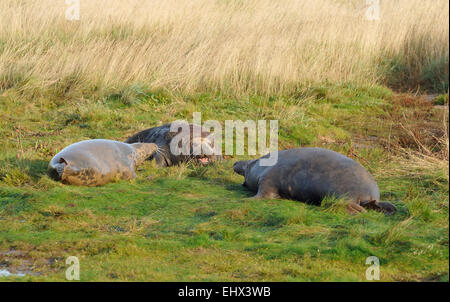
[(204, 160)]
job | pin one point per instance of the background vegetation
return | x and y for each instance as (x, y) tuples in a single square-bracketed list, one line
[(256, 46)]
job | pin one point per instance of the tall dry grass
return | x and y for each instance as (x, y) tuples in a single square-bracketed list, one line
[(428, 159), (251, 46)]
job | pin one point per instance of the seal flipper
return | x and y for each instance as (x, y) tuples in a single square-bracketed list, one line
[(271, 195), (267, 191), (369, 204), (355, 208)]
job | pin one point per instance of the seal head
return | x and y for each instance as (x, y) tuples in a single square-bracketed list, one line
[(240, 166), (162, 136)]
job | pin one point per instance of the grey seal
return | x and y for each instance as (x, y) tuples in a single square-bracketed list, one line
[(162, 137), (98, 161), (309, 175)]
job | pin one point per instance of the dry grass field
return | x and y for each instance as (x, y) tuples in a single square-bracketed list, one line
[(256, 46), (376, 91)]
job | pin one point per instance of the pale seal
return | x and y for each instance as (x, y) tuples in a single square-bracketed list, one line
[(98, 161), (309, 175)]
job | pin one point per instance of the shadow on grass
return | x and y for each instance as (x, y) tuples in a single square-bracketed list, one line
[(16, 171), (13, 202)]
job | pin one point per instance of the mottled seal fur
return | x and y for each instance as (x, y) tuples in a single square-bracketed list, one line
[(309, 175), (162, 137), (98, 161)]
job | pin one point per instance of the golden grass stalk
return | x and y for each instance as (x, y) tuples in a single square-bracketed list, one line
[(252, 46)]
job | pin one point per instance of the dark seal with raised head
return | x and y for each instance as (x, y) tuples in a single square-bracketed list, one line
[(162, 137), (309, 175), (98, 161)]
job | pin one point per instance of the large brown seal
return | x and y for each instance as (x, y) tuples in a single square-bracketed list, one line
[(162, 137), (309, 175), (98, 161)]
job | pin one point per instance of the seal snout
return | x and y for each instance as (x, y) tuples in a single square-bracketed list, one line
[(208, 153), (382, 206), (239, 167), (153, 147), (56, 168), (144, 151)]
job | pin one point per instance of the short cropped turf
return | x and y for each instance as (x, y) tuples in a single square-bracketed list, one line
[(197, 223)]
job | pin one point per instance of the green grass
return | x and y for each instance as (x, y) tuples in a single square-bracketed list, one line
[(191, 223)]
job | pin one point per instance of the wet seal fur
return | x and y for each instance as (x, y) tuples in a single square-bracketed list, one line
[(309, 175), (162, 137), (98, 161)]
